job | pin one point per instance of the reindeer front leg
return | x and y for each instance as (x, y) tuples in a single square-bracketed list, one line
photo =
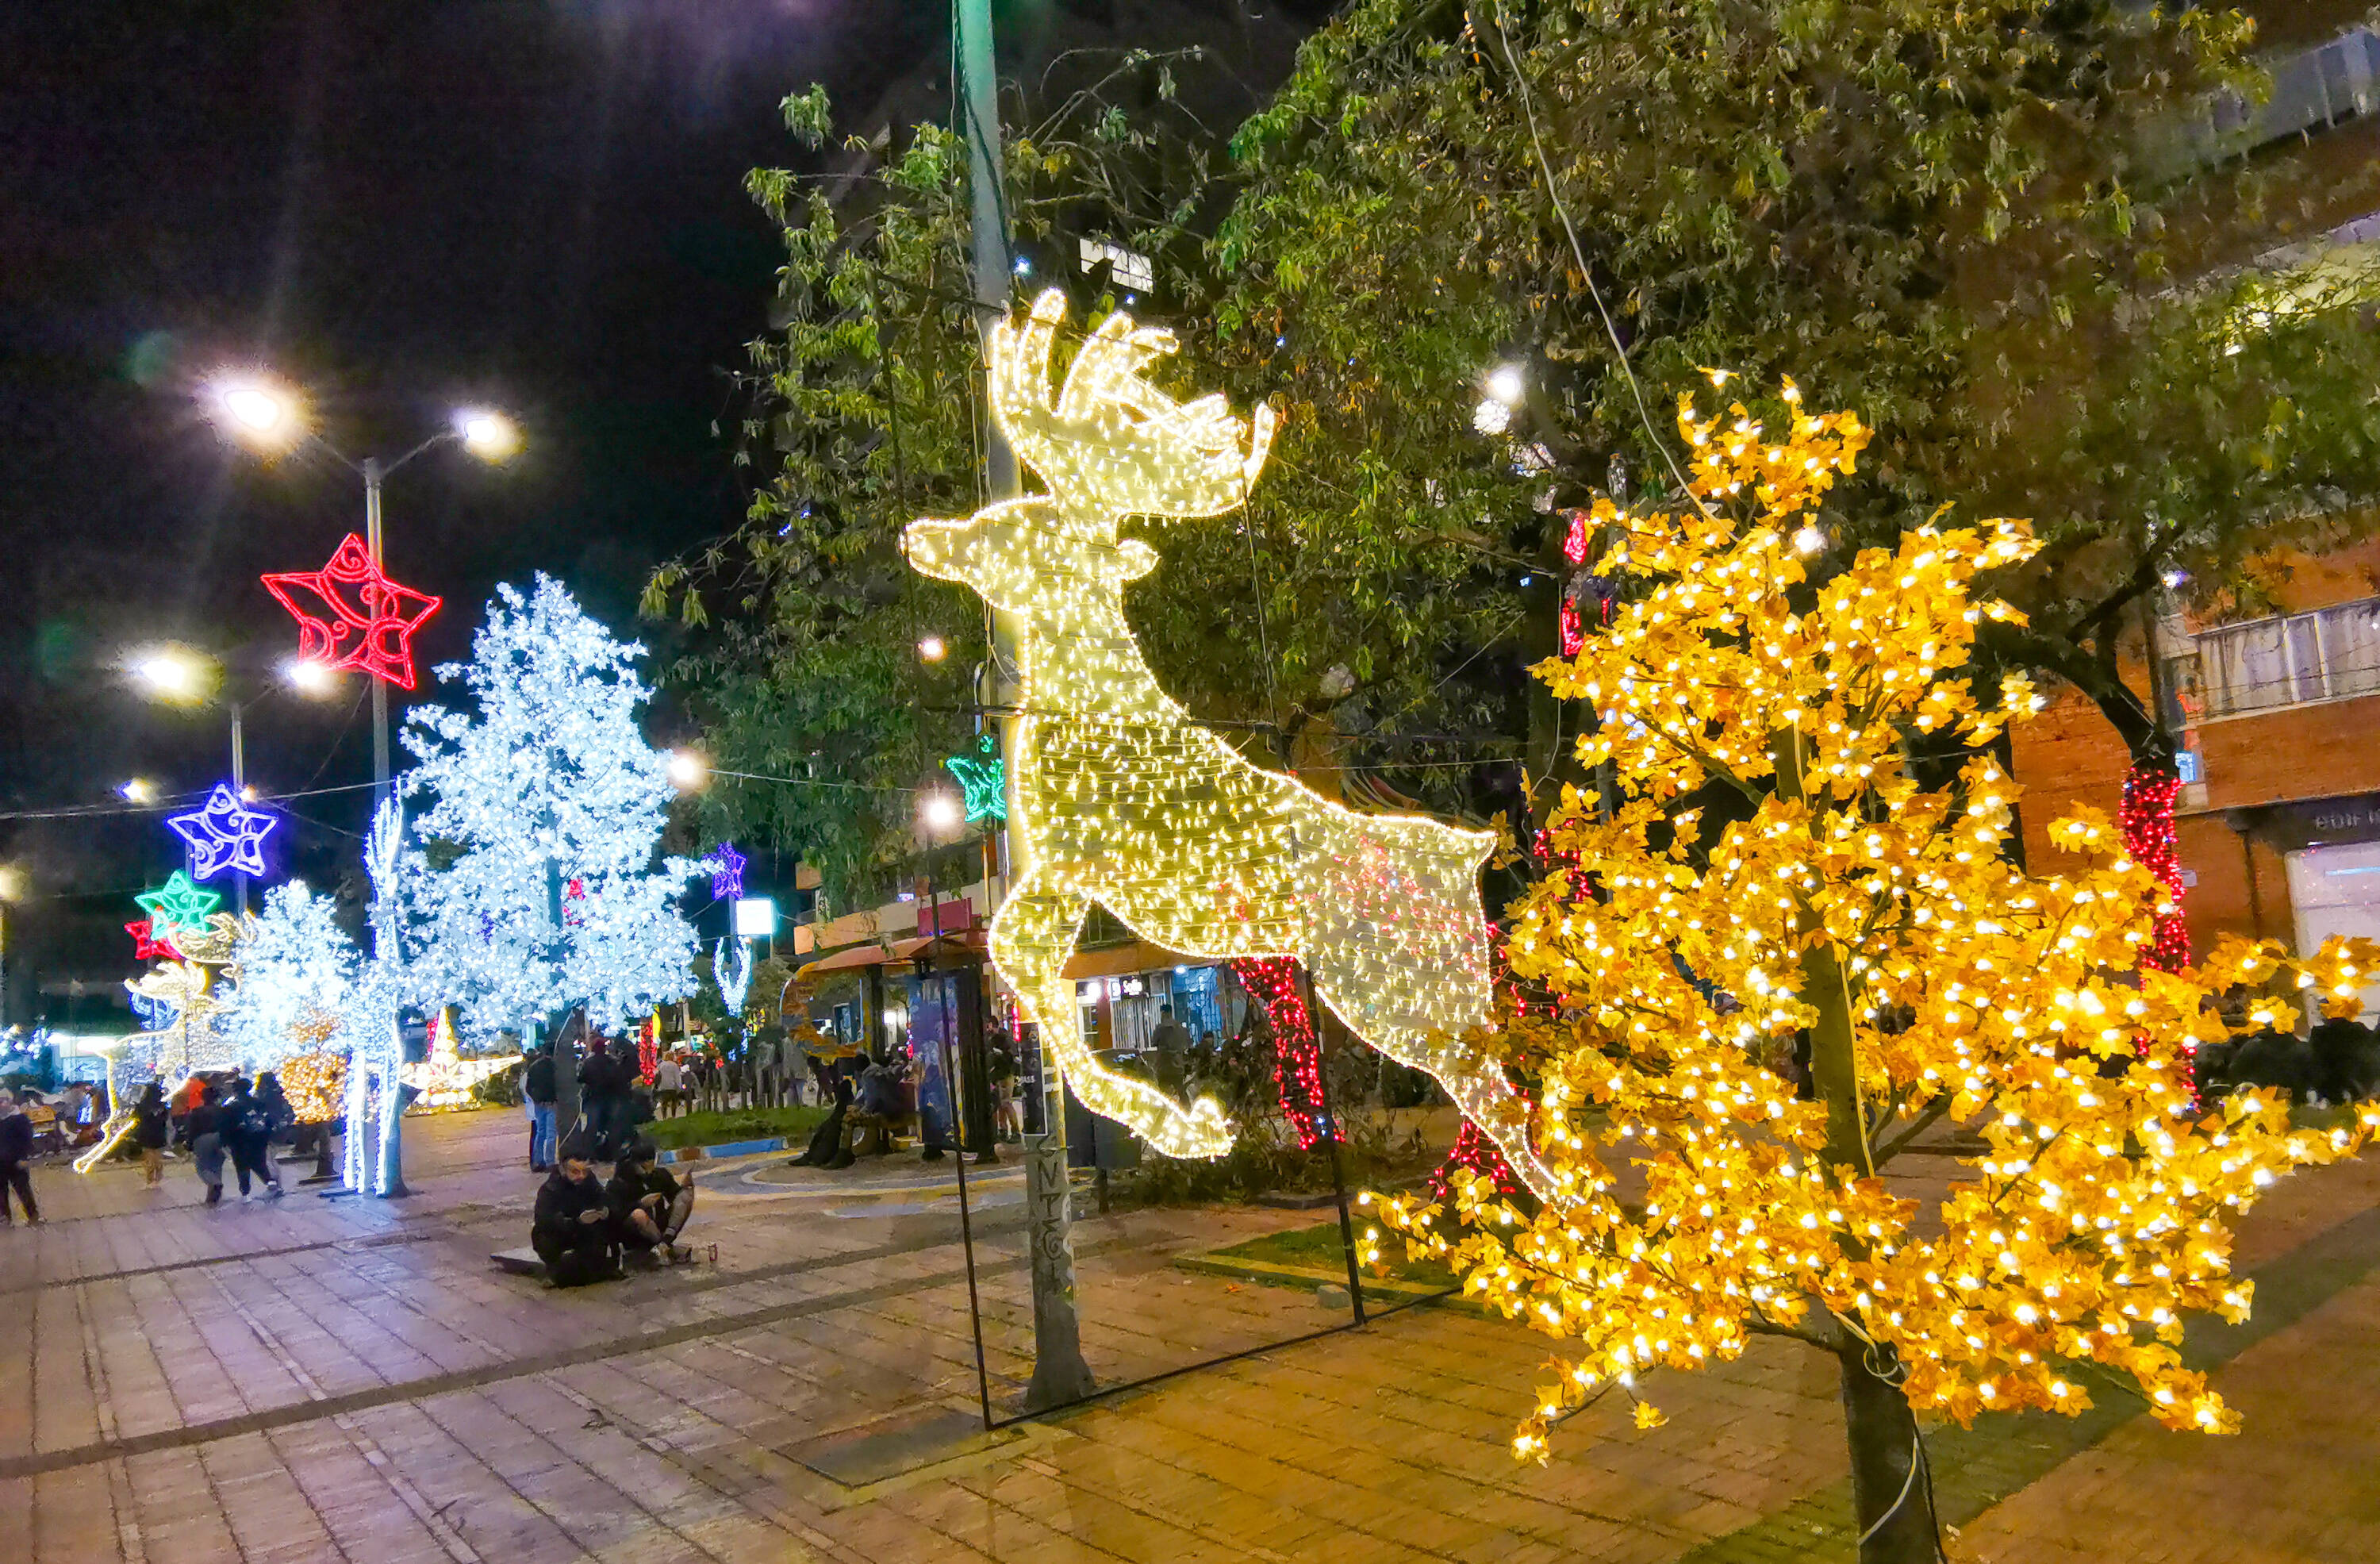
[(1031, 939)]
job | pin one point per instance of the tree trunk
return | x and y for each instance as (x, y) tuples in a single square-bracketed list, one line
[(1890, 1496)]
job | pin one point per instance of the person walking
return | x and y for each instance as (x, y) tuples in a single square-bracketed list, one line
[(537, 1087), (16, 1151), (202, 1133), (669, 1085), (151, 1127), (595, 1090), (186, 1098), (248, 1134)]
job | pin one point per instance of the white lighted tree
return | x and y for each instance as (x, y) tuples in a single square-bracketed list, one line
[(531, 882), (296, 968)]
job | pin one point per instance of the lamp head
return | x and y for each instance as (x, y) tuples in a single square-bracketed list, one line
[(687, 770), (171, 673), (487, 434), (257, 411)]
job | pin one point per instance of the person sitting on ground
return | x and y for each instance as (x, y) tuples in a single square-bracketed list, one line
[(826, 1148), (649, 1205), (571, 1228)]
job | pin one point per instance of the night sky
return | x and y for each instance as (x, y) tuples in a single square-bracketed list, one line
[(400, 207)]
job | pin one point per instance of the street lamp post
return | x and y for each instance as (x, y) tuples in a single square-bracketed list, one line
[(266, 416), (183, 677)]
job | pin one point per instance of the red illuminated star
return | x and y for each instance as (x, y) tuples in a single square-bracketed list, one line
[(147, 948), (351, 615)]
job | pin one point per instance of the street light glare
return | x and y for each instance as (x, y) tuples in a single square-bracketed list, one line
[(940, 811), (12, 885), (255, 411), (171, 673), (490, 437), (308, 677), (1506, 385), (138, 790), (933, 649), (686, 769)]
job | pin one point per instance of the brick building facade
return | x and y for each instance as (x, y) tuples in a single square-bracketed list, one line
[(2278, 822)]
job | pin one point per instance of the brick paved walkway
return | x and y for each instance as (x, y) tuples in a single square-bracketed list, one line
[(350, 1380)]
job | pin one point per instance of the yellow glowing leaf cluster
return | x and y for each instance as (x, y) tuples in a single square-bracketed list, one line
[(1773, 867)]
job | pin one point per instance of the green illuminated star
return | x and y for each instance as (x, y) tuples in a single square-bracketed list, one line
[(180, 906), (983, 780)]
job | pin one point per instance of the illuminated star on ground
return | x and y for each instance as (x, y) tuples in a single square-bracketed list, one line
[(224, 834)]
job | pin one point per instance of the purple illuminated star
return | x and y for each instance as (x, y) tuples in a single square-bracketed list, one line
[(224, 834), (726, 866)]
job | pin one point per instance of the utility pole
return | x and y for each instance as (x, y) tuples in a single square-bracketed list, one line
[(1060, 1374)]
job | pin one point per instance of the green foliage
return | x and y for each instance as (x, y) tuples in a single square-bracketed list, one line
[(1978, 226), (733, 1125), (1984, 228)]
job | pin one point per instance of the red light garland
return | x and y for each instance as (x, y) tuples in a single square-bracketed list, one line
[(2145, 821), (1475, 1150), (1271, 980)]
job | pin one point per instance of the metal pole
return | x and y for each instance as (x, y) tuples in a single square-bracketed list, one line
[(239, 789), (1060, 1374), (379, 688), (393, 1131)]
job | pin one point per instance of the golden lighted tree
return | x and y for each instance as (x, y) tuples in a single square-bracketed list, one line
[(1807, 840)]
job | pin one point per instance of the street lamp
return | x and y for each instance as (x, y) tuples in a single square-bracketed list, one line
[(940, 813), (180, 676), (262, 413), (257, 411), (687, 770), (933, 649)]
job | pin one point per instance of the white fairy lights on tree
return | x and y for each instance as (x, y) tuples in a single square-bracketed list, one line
[(296, 967), (549, 784), (730, 968)]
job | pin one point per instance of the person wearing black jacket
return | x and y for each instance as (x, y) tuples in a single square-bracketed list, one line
[(246, 1131), (202, 1133), (16, 1150), (572, 1229), (649, 1205), (537, 1085), (599, 1088), (152, 1126)]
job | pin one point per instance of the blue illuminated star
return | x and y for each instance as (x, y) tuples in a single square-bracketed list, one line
[(225, 833), (726, 867)]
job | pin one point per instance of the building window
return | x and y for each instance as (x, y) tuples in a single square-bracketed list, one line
[(2330, 655)]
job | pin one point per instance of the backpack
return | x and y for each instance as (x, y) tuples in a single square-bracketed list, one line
[(255, 1120)]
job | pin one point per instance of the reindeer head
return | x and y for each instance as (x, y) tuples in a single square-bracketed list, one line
[(1112, 443)]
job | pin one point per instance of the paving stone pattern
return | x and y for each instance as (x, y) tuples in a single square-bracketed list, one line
[(308, 1379)]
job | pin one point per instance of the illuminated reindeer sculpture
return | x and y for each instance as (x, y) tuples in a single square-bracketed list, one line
[(1125, 801)]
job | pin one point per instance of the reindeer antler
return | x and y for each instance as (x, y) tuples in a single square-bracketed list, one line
[(1155, 456)]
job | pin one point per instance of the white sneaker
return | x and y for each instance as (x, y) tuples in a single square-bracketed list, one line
[(274, 1192)]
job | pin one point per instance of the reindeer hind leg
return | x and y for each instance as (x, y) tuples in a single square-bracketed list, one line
[(1031, 939), (1475, 1082)]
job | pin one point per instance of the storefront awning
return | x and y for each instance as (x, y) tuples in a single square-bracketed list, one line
[(961, 947)]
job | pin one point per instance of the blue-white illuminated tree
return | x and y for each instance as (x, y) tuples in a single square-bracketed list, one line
[(547, 798), (296, 968)]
